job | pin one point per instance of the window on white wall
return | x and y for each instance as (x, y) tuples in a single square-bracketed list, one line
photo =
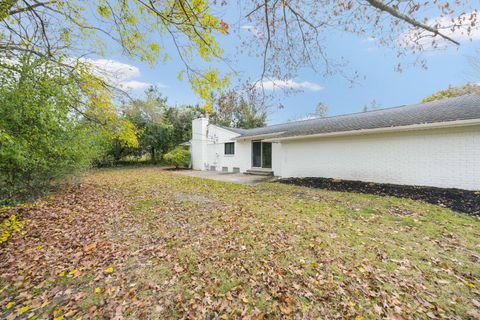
[(230, 148)]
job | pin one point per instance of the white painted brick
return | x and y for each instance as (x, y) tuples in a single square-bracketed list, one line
[(441, 158), (448, 158)]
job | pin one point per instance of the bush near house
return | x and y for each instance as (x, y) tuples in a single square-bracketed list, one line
[(178, 157)]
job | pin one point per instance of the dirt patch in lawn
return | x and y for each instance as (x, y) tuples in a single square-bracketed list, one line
[(455, 199)]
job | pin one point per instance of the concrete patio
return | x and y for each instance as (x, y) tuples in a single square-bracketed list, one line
[(239, 178)]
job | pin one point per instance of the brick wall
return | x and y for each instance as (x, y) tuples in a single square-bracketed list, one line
[(441, 158)]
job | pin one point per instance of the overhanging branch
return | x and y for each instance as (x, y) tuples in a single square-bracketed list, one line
[(380, 5)]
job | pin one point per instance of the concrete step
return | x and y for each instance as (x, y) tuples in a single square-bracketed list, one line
[(260, 172)]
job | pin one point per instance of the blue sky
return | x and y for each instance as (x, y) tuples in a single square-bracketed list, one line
[(381, 83)]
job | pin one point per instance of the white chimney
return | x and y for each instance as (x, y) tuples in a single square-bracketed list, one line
[(199, 143)]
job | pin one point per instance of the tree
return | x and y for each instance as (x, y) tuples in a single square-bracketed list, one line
[(41, 140), (53, 31), (160, 127), (238, 112), (180, 117), (178, 157), (148, 117), (293, 34), (320, 110), (372, 105), (451, 92)]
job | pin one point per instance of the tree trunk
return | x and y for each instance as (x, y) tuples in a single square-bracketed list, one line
[(152, 153)]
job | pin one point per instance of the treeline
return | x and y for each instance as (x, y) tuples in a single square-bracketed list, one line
[(160, 128), (45, 137), (52, 126)]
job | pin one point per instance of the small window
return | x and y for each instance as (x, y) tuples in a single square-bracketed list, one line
[(230, 148)]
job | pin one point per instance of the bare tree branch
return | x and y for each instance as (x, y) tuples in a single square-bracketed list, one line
[(380, 5)]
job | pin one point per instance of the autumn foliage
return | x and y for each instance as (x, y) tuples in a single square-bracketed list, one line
[(147, 243)]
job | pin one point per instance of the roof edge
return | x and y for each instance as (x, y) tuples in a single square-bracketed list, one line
[(231, 130), (258, 136)]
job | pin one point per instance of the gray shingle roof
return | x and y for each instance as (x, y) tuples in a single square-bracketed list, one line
[(236, 130), (459, 108)]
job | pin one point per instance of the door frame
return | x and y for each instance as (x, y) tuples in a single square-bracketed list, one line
[(261, 156)]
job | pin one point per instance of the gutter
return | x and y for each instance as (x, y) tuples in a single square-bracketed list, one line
[(425, 126)]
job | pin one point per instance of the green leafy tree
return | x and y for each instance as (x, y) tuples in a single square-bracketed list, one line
[(160, 127), (181, 120), (234, 111), (41, 139), (451, 92), (141, 29), (178, 157), (148, 117)]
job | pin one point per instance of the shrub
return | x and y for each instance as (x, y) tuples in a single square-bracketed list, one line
[(178, 157), (41, 139)]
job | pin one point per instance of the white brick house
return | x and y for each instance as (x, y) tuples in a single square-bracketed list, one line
[(430, 144)]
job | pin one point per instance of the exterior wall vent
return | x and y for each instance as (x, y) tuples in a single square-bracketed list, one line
[(236, 170), (213, 168), (224, 169)]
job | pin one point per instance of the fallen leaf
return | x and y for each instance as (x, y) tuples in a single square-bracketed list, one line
[(73, 272), (22, 310), (90, 247), (286, 310), (10, 305)]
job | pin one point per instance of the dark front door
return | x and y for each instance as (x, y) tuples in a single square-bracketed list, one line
[(261, 154), (256, 154)]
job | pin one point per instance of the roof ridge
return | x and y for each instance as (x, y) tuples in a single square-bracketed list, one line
[(369, 111), (422, 112)]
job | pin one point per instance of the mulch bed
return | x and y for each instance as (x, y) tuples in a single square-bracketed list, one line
[(455, 199)]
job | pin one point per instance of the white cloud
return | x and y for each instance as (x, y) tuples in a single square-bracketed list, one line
[(117, 73), (369, 40), (113, 69), (161, 85), (247, 27), (372, 44), (135, 85), (114, 72), (289, 84), (458, 28), (252, 29)]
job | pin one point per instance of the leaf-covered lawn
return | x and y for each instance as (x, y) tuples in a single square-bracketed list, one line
[(145, 243)]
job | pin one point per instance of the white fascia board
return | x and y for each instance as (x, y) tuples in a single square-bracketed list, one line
[(259, 136)]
